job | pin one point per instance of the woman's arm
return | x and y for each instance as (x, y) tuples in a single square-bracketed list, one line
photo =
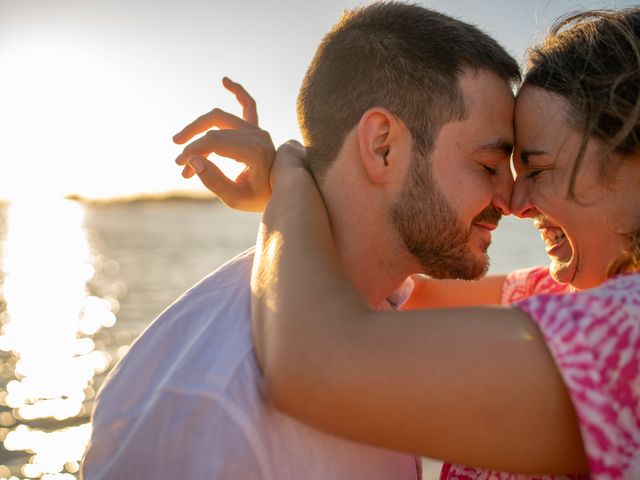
[(432, 293), (475, 386)]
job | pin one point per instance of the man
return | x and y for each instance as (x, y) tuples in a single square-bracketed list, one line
[(407, 118)]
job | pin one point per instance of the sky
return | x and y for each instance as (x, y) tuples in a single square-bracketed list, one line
[(91, 92)]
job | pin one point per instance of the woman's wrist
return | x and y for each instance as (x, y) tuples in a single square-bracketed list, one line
[(290, 160)]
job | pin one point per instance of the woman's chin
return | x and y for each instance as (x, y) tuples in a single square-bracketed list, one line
[(578, 279), (562, 272)]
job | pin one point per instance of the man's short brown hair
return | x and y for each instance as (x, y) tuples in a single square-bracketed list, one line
[(395, 55)]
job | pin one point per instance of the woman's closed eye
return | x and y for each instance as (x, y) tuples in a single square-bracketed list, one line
[(534, 173)]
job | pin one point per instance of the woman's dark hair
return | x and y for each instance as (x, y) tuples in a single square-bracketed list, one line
[(592, 60)]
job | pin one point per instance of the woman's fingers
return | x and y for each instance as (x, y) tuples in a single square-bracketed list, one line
[(223, 120), (249, 108), (237, 194), (213, 178), (215, 118), (250, 147)]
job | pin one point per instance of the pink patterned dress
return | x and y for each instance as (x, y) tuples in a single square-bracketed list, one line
[(594, 337)]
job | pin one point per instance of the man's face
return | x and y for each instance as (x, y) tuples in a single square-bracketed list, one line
[(452, 200)]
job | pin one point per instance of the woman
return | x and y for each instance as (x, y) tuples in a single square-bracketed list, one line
[(470, 385)]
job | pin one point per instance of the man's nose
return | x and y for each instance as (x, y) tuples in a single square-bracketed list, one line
[(521, 205)]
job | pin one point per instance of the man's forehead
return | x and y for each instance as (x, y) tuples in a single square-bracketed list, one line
[(487, 127), (504, 145), (478, 136), (482, 85)]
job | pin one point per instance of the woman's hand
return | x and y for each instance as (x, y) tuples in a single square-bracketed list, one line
[(237, 138)]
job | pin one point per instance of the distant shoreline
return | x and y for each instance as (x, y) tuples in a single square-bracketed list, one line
[(179, 196), (171, 196)]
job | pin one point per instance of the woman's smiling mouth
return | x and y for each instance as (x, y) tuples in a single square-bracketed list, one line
[(553, 236)]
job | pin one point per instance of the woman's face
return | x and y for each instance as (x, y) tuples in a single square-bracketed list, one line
[(580, 236)]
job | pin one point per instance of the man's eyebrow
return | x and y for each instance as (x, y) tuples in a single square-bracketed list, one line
[(525, 154), (501, 145)]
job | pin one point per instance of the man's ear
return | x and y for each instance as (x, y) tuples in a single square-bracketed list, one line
[(382, 140)]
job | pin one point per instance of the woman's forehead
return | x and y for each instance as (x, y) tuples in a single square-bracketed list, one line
[(541, 116)]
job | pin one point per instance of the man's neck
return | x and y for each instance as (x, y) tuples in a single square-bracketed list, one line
[(370, 266), (369, 248)]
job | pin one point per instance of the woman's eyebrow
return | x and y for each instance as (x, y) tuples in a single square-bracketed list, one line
[(525, 154)]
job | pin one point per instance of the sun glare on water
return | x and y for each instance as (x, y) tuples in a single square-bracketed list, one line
[(47, 324)]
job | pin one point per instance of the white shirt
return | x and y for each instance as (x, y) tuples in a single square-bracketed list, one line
[(186, 402)]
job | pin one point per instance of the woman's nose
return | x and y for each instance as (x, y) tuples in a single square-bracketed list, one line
[(521, 205)]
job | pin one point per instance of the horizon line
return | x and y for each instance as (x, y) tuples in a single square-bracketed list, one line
[(168, 195)]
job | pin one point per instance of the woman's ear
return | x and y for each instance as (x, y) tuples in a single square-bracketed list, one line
[(382, 139)]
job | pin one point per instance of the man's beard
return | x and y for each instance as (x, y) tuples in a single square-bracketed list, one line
[(433, 232)]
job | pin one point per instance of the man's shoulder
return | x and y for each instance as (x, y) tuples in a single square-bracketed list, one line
[(243, 261), (224, 293), (236, 270), (208, 312), (196, 345)]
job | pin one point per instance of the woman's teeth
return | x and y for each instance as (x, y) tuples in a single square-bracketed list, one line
[(552, 236)]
